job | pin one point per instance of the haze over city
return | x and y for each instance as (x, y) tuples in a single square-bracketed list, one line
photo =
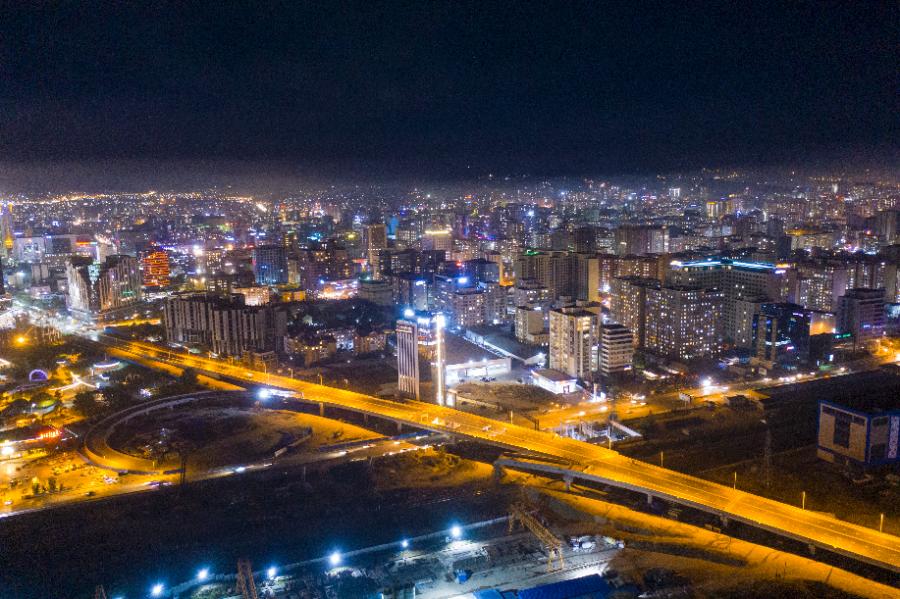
[(479, 300)]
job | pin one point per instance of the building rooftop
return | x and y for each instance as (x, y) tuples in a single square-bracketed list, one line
[(553, 375), (724, 262), (459, 350), (502, 340)]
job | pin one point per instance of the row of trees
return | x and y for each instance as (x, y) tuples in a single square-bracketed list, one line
[(123, 392)]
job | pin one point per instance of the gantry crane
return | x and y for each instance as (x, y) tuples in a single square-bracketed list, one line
[(245, 584), (519, 513)]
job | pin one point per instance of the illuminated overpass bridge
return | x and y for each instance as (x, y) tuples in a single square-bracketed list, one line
[(576, 459)]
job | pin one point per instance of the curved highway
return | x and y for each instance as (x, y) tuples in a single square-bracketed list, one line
[(583, 459)]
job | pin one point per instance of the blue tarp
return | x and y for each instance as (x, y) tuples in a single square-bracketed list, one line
[(587, 587)]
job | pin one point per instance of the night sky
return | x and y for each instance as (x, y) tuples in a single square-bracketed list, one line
[(440, 88)]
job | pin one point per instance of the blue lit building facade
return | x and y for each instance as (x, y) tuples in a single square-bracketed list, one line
[(270, 265), (781, 334)]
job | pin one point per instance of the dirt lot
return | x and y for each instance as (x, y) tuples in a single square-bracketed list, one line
[(223, 436)]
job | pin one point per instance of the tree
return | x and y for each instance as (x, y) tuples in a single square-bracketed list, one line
[(117, 398), (41, 397), (188, 377), (86, 404)]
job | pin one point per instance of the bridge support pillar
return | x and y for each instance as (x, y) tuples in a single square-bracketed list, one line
[(365, 418), (303, 474), (649, 498), (321, 409), (724, 520), (399, 427), (568, 480), (812, 549), (510, 416), (498, 472)]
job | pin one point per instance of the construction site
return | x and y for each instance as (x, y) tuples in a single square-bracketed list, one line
[(502, 557)]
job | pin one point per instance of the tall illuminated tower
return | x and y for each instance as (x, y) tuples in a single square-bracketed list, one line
[(408, 355), (440, 361), (421, 335), (6, 231)]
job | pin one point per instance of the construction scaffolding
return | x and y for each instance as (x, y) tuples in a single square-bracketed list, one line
[(520, 513)]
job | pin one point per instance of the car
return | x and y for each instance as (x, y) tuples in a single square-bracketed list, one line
[(90, 494)]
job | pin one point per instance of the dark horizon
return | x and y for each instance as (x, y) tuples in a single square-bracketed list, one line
[(451, 91)]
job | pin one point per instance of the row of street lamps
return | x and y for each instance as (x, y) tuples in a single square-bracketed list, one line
[(334, 560)]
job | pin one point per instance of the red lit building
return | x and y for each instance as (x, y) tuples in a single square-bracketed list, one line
[(156, 269)]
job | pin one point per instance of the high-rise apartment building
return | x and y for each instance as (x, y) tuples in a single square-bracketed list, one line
[(861, 313), (437, 239), (103, 290), (374, 241), (155, 266), (531, 293), (740, 281), (270, 264), (616, 349), (584, 239), (322, 262), (629, 305), (587, 277), (781, 333), (224, 324), (553, 270), (531, 326), (573, 337), (818, 284), (683, 323), (467, 307), (640, 239)]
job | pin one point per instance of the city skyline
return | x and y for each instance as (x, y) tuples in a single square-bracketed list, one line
[(449, 299)]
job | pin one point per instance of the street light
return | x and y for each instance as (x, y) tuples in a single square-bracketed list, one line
[(405, 544), (456, 531), (271, 573), (203, 574), (334, 559), (157, 590)]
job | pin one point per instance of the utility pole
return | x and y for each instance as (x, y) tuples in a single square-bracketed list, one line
[(183, 478), (767, 457)]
